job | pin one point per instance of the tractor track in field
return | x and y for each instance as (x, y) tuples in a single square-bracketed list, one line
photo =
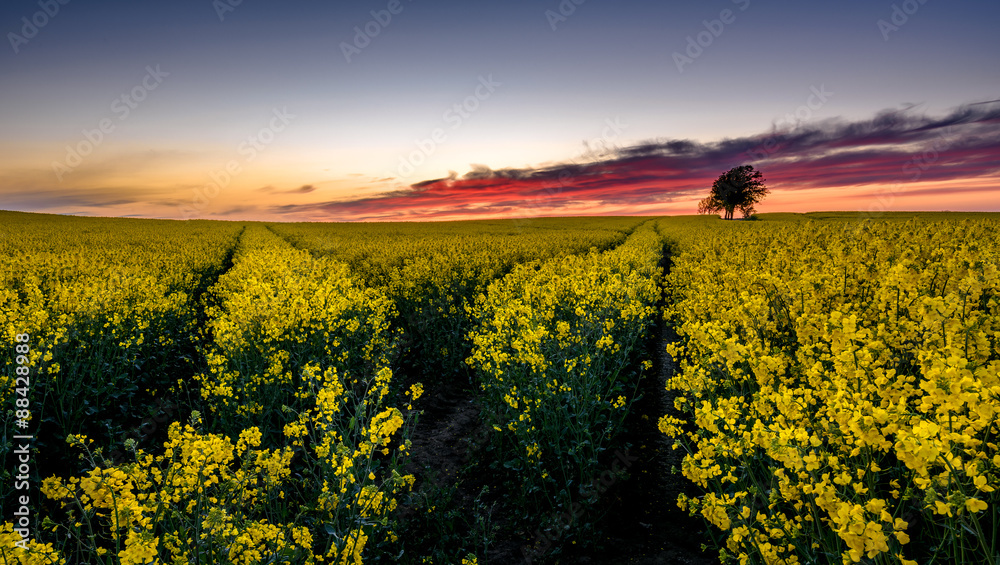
[(643, 525), (638, 521), (442, 438)]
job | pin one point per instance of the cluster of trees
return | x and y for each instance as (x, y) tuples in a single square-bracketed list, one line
[(740, 188)]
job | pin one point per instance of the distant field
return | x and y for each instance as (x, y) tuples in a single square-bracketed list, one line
[(801, 388)]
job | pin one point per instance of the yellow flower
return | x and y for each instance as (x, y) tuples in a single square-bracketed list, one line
[(976, 505)]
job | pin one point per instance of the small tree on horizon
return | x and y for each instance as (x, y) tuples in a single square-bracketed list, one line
[(739, 188)]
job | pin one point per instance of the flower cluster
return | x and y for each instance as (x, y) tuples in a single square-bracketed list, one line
[(838, 392), (110, 306), (277, 311), (433, 272), (557, 346), (299, 458)]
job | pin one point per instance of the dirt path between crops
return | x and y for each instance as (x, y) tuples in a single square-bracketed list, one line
[(444, 435), (641, 524), (644, 526)]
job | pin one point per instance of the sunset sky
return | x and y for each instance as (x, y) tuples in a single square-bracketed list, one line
[(421, 110)]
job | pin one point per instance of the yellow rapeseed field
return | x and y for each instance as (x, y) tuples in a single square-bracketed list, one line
[(290, 431), (838, 393), (248, 393)]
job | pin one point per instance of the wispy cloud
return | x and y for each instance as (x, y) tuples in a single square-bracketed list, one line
[(930, 157), (304, 189), (830, 153), (238, 211)]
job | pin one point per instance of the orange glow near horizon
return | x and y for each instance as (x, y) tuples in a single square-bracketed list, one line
[(265, 203), (908, 162)]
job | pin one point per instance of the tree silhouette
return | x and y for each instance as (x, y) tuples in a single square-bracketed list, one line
[(738, 188)]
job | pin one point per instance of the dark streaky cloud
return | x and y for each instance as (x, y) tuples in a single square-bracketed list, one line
[(895, 146)]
